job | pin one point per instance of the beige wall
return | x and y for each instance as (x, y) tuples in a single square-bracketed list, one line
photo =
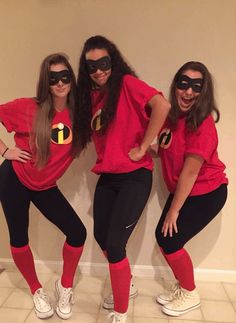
[(156, 37)]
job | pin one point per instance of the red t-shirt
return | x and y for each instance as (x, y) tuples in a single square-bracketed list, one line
[(17, 116), (176, 143), (126, 130)]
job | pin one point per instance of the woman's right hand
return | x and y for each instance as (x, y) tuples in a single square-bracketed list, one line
[(170, 223), (16, 153)]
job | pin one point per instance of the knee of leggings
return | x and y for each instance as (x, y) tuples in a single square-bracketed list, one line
[(169, 247), (19, 242), (78, 238), (115, 253), (168, 244)]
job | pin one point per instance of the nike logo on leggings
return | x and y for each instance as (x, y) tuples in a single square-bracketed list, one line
[(128, 226)]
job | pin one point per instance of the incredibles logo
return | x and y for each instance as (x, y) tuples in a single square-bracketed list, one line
[(61, 134), (165, 138), (96, 123)]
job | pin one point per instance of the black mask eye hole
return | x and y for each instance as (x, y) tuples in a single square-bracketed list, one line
[(103, 64), (52, 79), (197, 87), (92, 66)]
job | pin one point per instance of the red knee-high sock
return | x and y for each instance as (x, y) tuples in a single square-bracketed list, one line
[(71, 257), (120, 281), (182, 267), (24, 261), (164, 255)]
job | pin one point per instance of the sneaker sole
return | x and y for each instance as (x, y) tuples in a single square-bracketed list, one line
[(110, 306), (46, 315), (162, 301), (178, 313), (63, 315)]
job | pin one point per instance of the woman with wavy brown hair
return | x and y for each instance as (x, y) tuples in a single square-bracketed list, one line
[(43, 151), (122, 115), (194, 176)]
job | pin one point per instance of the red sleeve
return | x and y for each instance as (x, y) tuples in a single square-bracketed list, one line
[(139, 91), (16, 114), (204, 141)]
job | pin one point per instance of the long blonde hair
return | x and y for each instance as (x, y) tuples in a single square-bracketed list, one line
[(41, 132)]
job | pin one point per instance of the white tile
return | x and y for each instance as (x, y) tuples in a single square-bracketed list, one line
[(10, 279), (234, 305), (87, 303), (218, 311), (88, 284), (82, 318), (149, 320), (50, 285), (212, 291), (32, 318), (19, 298), (149, 287), (101, 318), (4, 293), (195, 315), (231, 291), (9, 315), (146, 306), (182, 320)]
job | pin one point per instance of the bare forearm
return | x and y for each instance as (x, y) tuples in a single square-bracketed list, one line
[(183, 189), (187, 178), (160, 108)]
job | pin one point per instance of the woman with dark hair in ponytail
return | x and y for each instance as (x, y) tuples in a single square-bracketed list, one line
[(42, 153), (194, 176), (122, 115)]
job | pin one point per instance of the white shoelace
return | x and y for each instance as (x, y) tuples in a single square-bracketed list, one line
[(66, 297), (41, 299)]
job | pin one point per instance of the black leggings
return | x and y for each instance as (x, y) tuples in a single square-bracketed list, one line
[(16, 198), (194, 215), (118, 204)]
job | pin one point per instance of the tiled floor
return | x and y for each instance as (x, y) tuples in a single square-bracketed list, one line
[(218, 301)]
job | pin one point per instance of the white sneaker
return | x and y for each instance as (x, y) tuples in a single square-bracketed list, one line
[(42, 306), (186, 302), (115, 317), (64, 300), (170, 295), (108, 302)]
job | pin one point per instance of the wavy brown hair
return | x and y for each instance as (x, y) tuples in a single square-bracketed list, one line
[(41, 133), (205, 102), (119, 68)]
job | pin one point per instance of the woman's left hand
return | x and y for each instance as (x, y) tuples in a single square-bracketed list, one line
[(170, 223), (136, 153)]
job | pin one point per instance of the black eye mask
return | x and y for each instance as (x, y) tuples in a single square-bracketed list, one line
[(103, 64), (185, 82), (55, 77)]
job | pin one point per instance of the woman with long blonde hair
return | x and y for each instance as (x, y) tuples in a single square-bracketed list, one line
[(43, 151)]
